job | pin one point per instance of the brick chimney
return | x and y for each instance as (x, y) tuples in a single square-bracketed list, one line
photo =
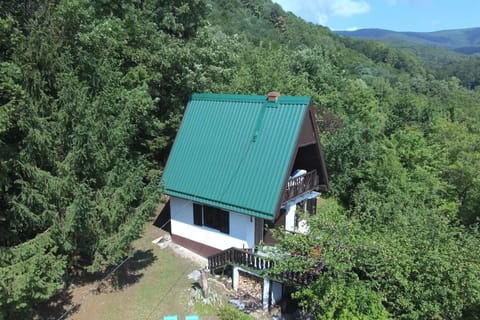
[(272, 96)]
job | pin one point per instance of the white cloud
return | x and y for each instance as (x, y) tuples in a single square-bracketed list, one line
[(322, 19), (435, 22), (346, 8), (319, 11), (408, 2)]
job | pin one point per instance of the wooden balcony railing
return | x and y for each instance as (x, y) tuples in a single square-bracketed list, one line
[(300, 185), (241, 257), (258, 264)]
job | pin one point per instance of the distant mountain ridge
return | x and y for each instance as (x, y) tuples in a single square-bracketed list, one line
[(466, 41)]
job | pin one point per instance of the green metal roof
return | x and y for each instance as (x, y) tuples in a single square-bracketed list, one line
[(233, 151)]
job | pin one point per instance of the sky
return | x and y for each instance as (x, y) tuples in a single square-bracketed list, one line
[(396, 15)]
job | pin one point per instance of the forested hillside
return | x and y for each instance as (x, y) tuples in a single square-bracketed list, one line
[(447, 53), (91, 96), (460, 40)]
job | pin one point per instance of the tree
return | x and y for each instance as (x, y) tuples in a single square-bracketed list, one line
[(338, 292), (413, 266), (80, 130)]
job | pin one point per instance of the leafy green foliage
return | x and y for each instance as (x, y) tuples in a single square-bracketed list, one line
[(81, 133), (30, 273), (91, 97), (228, 312), (330, 298), (338, 292), (404, 265)]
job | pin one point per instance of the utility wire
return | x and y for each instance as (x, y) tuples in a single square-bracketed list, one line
[(94, 288), (168, 292)]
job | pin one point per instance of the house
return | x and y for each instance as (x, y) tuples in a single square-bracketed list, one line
[(239, 165)]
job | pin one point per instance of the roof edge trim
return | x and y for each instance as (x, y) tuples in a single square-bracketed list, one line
[(221, 205)]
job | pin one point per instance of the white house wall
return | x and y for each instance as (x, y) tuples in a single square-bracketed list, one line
[(242, 228), (290, 209), (290, 213)]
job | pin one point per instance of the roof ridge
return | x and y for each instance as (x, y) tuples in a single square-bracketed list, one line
[(249, 98)]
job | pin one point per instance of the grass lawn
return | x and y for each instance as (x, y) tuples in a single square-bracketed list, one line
[(152, 284)]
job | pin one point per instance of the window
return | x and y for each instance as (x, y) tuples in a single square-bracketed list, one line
[(211, 217), (198, 214)]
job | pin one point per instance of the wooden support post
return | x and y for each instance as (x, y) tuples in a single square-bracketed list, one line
[(266, 294), (235, 277), (204, 280)]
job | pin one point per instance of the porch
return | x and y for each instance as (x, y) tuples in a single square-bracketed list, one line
[(298, 186), (258, 264)]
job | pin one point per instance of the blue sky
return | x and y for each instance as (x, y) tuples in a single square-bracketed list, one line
[(397, 15)]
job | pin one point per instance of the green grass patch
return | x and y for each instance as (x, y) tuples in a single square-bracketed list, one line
[(153, 284)]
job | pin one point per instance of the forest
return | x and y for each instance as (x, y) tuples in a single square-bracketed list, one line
[(91, 96), (446, 54)]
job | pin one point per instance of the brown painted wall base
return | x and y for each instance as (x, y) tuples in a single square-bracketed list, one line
[(198, 248)]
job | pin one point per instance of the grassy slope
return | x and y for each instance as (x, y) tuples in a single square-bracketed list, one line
[(153, 283), (156, 286)]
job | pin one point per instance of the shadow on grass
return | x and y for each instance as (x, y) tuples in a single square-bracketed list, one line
[(130, 272), (196, 286), (163, 219), (55, 307), (126, 275)]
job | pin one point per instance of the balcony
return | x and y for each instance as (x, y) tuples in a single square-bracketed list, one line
[(300, 185), (260, 265)]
